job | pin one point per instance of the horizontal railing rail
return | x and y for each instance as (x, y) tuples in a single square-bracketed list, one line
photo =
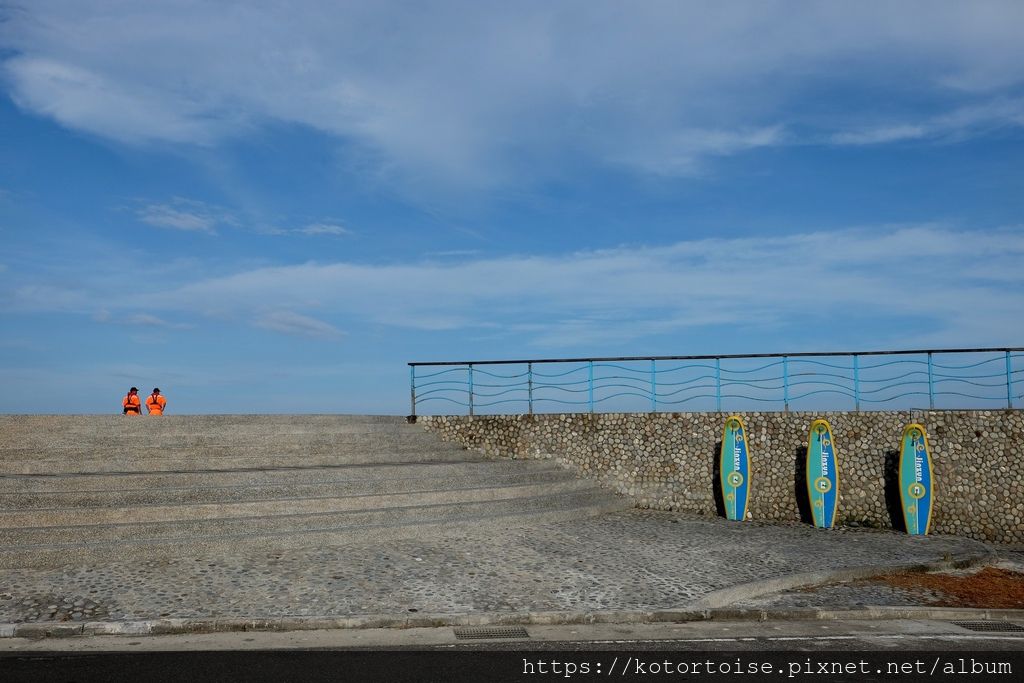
[(878, 380)]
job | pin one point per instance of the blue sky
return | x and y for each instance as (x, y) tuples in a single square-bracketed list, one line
[(273, 207)]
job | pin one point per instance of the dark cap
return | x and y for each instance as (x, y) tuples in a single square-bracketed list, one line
[(134, 389), (156, 391)]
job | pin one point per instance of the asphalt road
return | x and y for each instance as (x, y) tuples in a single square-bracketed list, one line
[(861, 651), (679, 661)]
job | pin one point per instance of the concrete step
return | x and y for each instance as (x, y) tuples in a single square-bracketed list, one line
[(191, 462), (184, 510), (87, 491), (71, 441), (276, 446), (358, 473), (280, 442), (44, 427), (78, 489), (60, 546), (35, 421)]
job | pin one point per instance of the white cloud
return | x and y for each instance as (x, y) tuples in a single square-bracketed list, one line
[(681, 152), (184, 214), (317, 229), (289, 322), (324, 229), (959, 285), (163, 216), (46, 297), (102, 104), (148, 320), (957, 124), (453, 253), (473, 95), (937, 273), (883, 134)]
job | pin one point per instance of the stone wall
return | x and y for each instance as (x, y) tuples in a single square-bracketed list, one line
[(667, 461)]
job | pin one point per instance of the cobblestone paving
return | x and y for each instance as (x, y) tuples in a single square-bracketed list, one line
[(635, 560)]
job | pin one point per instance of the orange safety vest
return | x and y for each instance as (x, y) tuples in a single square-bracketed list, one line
[(132, 405), (155, 404)]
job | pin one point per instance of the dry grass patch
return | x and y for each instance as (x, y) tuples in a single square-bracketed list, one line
[(991, 588)]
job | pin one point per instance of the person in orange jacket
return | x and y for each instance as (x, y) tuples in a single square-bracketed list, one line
[(131, 403), (156, 403)]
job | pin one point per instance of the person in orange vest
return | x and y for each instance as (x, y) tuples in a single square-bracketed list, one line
[(131, 403), (156, 403)]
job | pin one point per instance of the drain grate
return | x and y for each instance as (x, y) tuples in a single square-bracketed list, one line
[(481, 632), (990, 626)]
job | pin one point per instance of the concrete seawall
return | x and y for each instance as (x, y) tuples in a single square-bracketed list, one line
[(666, 461)]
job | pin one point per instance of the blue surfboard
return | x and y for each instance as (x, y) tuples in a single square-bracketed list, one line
[(915, 477), (734, 465), (822, 474)]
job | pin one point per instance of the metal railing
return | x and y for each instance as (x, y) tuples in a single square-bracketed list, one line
[(875, 380)]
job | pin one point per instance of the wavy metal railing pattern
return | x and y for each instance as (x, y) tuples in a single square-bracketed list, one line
[(872, 380)]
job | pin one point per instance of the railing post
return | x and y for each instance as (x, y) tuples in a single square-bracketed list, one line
[(718, 384), (470, 377), (1009, 381), (856, 382), (529, 385), (654, 389), (931, 384), (412, 388), (590, 384), (785, 383)]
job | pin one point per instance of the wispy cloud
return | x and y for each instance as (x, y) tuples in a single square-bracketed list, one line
[(289, 322), (681, 152), (33, 297), (148, 320), (324, 229), (185, 214), (961, 123), (454, 253), (640, 291), (104, 315), (96, 99), (880, 135), (328, 228), (957, 284), (476, 95)]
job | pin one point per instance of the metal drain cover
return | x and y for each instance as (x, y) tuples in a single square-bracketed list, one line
[(480, 632), (990, 626)]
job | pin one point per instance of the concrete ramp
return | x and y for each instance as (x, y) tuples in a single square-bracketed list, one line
[(76, 489)]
